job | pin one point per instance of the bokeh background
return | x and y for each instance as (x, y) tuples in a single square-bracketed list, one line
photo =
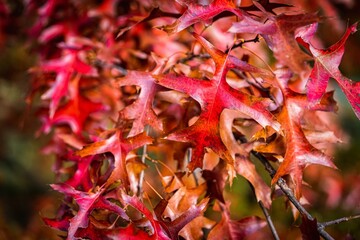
[(25, 172)]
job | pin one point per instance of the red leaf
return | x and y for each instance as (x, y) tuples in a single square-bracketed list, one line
[(182, 208), (327, 63), (140, 111), (202, 13), (62, 224), (130, 232), (138, 205), (75, 112), (299, 152), (279, 33), (119, 147), (81, 177), (65, 68), (87, 202), (214, 96)]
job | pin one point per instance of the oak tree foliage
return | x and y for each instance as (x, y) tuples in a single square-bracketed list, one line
[(155, 106)]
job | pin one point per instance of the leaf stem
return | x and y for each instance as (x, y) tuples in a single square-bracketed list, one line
[(290, 195), (269, 221)]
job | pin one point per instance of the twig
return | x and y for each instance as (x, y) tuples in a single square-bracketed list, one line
[(190, 56), (189, 156), (241, 43), (142, 173), (269, 221), (290, 195), (340, 220)]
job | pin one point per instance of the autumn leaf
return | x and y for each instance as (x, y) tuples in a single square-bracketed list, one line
[(81, 177), (135, 202), (140, 111), (75, 112), (240, 152), (279, 33), (130, 232), (299, 152), (65, 67), (326, 66), (235, 229), (119, 146), (202, 13), (214, 96), (198, 98), (86, 202), (184, 223)]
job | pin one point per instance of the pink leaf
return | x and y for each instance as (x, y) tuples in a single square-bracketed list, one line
[(279, 33), (87, 202), (327, 63), (141, 111), (202, 13), (138, 205)]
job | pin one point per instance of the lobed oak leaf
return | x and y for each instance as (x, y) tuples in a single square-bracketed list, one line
[(65, 68), (86, 202), (202, 13), (75, 112), (119, 146), (299, 152), (214, 96), (140, 111), (279, 33), (326, 66), (81, 177), (135, 202)]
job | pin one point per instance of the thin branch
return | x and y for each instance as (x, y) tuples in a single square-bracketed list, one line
[(290, 195), (189, 156), (241, 43), (269, 221), (191, 56), (340, 220), (142, 173)]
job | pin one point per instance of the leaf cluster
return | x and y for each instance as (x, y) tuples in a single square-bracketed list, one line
[(154, 109)]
